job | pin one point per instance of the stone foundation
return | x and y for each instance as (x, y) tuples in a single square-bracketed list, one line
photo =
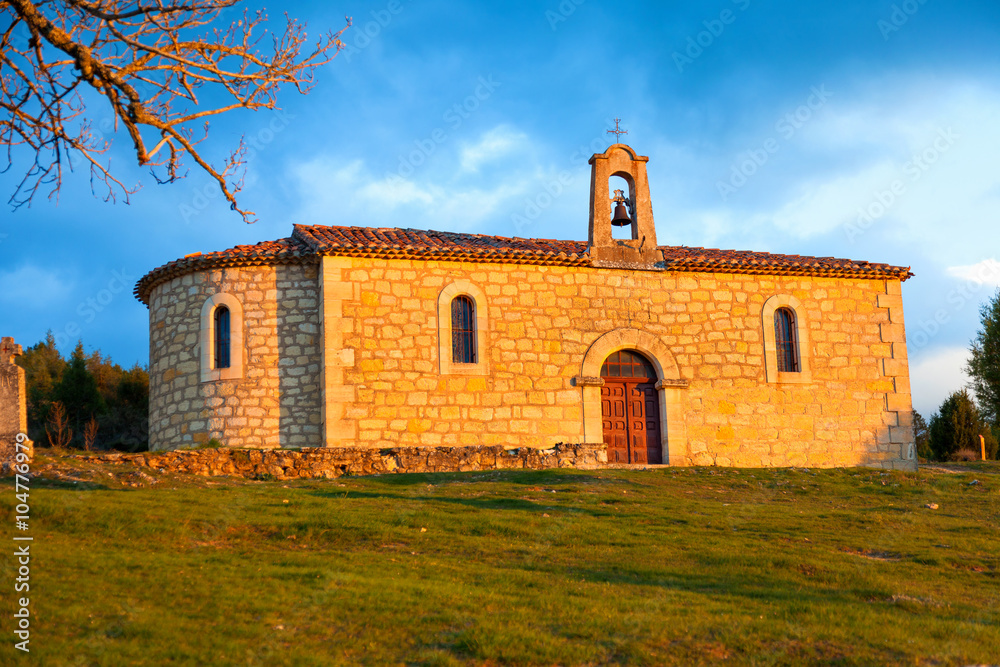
[(331, 462)]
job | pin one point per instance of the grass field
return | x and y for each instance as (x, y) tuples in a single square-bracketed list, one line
[(668, 566)]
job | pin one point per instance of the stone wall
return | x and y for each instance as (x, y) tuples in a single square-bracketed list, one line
[(367, 331), (277, 401), (338, 461), (385, 387), (13, 405)]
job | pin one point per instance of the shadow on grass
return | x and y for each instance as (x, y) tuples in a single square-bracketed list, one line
[(550, 477), (59, 484), (783, 586), (491, 503), (488, 503)]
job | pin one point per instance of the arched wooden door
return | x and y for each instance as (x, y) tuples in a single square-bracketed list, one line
[(630, 409)]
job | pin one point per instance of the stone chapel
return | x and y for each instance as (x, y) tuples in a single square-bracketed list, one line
[(373, 338)]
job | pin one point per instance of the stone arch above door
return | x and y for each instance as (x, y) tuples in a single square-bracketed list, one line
[(630, 339), (671, 387)]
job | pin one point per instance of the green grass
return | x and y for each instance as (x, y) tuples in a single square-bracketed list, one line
[(672, 566)]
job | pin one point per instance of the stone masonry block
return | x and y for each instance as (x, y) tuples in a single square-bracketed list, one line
[(895, 367), (890, 301), (898, 402), (892, 333), (900, 434)]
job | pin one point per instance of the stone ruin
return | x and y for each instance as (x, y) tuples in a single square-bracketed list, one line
[(13, 405)]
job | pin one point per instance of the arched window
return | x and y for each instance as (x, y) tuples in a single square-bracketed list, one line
[(222, 337), (786, 345), (628, 364), (463, 330)]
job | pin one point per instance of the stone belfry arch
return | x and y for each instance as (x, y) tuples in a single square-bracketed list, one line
[(640, 251)]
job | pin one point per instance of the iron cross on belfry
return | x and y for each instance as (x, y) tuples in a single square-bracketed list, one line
[(618, 132)]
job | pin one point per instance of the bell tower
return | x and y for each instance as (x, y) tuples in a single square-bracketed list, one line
[(632, 208)]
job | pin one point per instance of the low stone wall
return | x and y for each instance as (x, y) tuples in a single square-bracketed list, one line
[(329, 462)]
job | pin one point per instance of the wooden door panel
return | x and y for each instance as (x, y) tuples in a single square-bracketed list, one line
[(615, 426), (637, 422), (630, 412), (637, 452), (654, 447)]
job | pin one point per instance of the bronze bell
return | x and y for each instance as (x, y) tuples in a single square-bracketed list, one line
[(620, 218)]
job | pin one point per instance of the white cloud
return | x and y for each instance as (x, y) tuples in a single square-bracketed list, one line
[(936, 375), (393, 192), (940, 148), (352, 195), (32, 287), (986, 272), (840, 161), (824, 205), (492, 145)]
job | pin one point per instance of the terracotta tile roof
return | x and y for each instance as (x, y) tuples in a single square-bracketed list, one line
[(419, 244), (282, 251), (683, 258), (308, 243)]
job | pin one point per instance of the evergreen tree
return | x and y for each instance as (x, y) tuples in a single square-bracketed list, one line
[(107, 375), (956, 427), (922, 436), (127, 420), (77, 390), (133, 389), (88, 386), (984, 364)]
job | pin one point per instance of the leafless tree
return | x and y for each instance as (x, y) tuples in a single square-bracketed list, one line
[(90, 433), (57, 427), (162, 67)]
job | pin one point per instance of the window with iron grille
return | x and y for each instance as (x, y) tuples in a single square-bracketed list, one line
[(222, 337), (786, 343), (463, 331)]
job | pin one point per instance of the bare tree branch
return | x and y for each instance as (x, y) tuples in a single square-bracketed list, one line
[(161, 66)]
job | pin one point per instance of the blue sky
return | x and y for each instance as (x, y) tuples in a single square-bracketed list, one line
[(855, 129)]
